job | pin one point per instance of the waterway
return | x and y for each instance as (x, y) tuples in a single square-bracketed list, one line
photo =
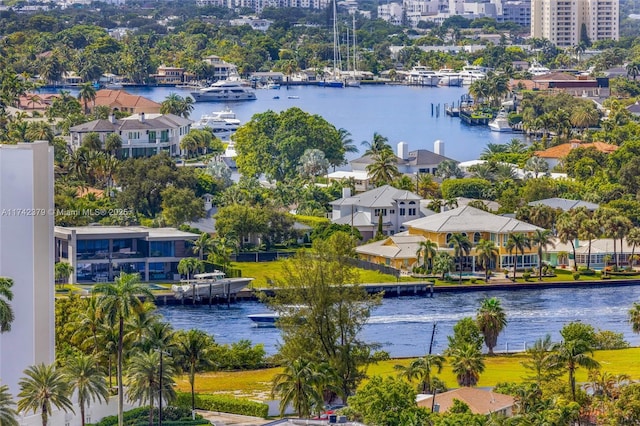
[(400, 113), (403, 325)]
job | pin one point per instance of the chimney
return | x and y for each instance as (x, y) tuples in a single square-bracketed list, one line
[(403, 150), (142, 117), (346, 192), (438, 147), (112, 119)]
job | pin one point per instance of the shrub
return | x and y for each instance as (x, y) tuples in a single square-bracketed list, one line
[(607, 339), (473, 280), (587, 272), (225, 404), (526, 276), (576, 276), (171, 416)]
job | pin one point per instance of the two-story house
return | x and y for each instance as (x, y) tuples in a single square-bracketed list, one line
[(409, 162), (169, 75), (143, 135), (364, 211), (119, 100)]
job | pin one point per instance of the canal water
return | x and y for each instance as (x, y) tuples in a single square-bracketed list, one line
[(403, 325)]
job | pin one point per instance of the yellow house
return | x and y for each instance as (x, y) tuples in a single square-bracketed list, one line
[(399, 251)]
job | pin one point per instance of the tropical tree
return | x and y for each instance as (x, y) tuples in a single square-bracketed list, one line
[(487, 251), (190, 265), (467, 363), (461, 248), (347, 142), (574, 352), (87, 378), (63, 271), (313, 163), (443, 263), (192, 354), (634, 318), (422, 369), (203, 245), (43, 388), (491, 320), (384, 168), (589, 230), (6, 311), (87, 94), (448, 169), (540, 361), (541, 238), (301, 385), (8, 414), (377, 145), (537, 166), (567, 227), (428, 249), (118, 301), (517, 242), (113, 144), (633, 239), (149, 378), (177, 105)]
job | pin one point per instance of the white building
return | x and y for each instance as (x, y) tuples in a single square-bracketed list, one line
[(561, 21), (391, 12), (26, 256)]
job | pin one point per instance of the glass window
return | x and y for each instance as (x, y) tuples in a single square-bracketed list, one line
[(93, 249), (161, 249), (476, 238), (403, 211)]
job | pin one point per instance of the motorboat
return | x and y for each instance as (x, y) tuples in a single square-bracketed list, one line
[(223, 123), (267, 319), (423, 76), (500, 123), (537, 69), (224, 90), (471, 73), (328, 83), (209, 285), (449, 77), (273, 85)]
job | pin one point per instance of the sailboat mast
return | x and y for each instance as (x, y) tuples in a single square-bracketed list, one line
[(355, 63), (336, 48)]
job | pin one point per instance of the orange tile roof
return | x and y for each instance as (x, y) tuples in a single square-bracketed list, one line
[(561, 151), (81, 192), (120, 99), (480, 401)]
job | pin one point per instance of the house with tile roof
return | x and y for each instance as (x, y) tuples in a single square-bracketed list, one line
[(143, 135), (634, 109), (399, 251), (554, 155), (364, 211), (119, 100), (479, 401)]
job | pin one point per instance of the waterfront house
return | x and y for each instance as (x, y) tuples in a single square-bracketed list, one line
[(119, 100), (364, 211), (554, 155), (169, 75), (562, 254), (399, 251), (409, 162), (100, 253), (479, 401), (142, 135), (221, 70)]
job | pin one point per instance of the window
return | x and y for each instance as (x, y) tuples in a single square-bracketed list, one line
[(476, 237), (412, 212), (161, 249), (392, 212), (448, 238), (403, 211), (377, 212)]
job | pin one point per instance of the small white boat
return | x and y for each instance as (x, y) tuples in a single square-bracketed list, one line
[(537, 69), (500, 123), (207, 285), (267, 319), (224, 90), (273, 85), (223, 123), (423, 76)]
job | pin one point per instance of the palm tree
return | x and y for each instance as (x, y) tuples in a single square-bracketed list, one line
[(43, 387), (461, 247), (6, 312), (541, 238), (301, 385), (634, 318), (63, 271), (573, 354), (379, 144), (177, 105), (422, 369), (487, 251), (113, 144), (189, 265), (203, 245), (145, 381), (448, 169), (347, 142), (633, 69), (567, 227), (193, 353), (87, 325), (633, 239), (443, 263), (536, 165), (87, 93), (118, 301), (491, 320), (428, 249), (540, 361), (384, 168), (7, 413), (589, 230), (467, 363), (517, 242), (85, 376)]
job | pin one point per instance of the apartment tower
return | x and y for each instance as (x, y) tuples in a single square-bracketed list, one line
[(563, 21)]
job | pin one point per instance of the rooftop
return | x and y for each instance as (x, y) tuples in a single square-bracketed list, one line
[(564, 204), (381, 197), (562, 150), (131, 231)]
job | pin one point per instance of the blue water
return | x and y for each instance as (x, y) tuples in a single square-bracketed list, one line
[(400, 113), (403, 325)]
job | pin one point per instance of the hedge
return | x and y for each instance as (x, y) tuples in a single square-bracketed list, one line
[(171, 416), (224, 404)]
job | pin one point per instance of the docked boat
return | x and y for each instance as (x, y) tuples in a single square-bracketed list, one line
[(471, 73), (224, 90), (423, 76), (273, 85), (537, 69), (267, 319), (209, 285), (223, 123), (500, 123), (449, 77)]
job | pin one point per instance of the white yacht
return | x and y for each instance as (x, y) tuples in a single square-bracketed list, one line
[(449, 77), (223, 123), (423, 76), (471, 73), (537, 69), (207, 285), (500, 123), (224, 90)]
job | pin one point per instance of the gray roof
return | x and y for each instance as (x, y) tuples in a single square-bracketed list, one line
[(394, 247), (381, 197), (564, 204), (634, 108), (469, 219), (360, 219), (150, 122), (419, 157)]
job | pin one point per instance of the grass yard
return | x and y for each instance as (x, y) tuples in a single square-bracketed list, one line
[(501, 368)]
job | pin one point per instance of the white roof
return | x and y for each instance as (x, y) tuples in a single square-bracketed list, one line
[(343, 174), (394, 247), (381, 197)]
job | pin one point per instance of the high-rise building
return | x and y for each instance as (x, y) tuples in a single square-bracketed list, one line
[(566, 22), (26, 256)]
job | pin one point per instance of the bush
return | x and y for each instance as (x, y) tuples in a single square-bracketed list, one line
[(607, 339), (576, 276), (224, 404), (526, 276), (586, 272), (171, 416), (473, 280)]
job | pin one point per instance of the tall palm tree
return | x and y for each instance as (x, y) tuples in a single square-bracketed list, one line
[(541, 238), (633, 239), (8, 414), (118, 301), (203, 245), (428, 249), (517, 242), (589, 230), (6, 312), (487, 251), (467, 363), (491, 320), (347, 142), (377, 145), (301, 385), (44, 387), (87, 94), (567, 227), (193, 353), (540, 362), (572, 354), (422, 369), (384, 168), (448, 169), (145, 381), (634, 318), (461, 248), (113, 144), (87, 378), (87, 324)]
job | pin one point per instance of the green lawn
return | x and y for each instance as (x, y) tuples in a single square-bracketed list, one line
[(501, 368)]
